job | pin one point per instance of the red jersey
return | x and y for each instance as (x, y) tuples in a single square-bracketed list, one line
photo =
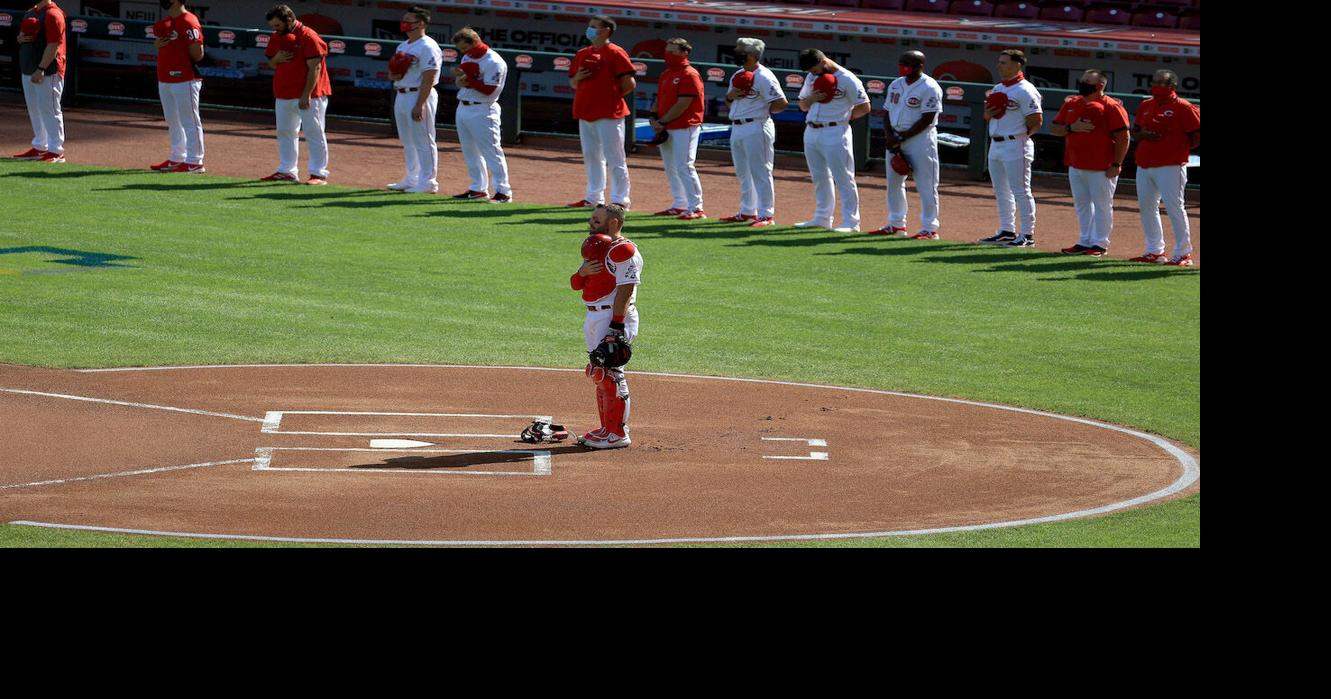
[(53, 32), (613, 273), (681, 82), (1175, 120), (1092, 150), (173, 62), (289, 79), (599, 96)]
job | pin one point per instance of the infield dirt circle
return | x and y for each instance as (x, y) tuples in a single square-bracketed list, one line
[(284, 452)]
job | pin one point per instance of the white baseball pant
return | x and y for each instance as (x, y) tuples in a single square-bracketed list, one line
[(1093, 198), (48, 121), (1166, 183), (478, 133), (922, 152), (291, 120), (180, 106), (830, 155), (418, 145), (597, 325), (751, 149), (602, 148), (678, 153), (1010, 172)]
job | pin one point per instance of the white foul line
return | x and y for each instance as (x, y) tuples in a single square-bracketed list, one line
[(139, 472), (131, 405)]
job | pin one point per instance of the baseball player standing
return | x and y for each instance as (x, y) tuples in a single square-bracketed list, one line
[(754, 96), (298, 57), (679, 114), (601, 76), (832, 97), (608, 279), (41, 57), (913, 104), (414, 70), (1166, 128), (480, 78), (179, 44), (1095, 126), (1014, 114)]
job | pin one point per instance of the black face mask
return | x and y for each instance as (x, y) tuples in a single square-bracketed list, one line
[(741, 59), (1086, 89), (166, 4)]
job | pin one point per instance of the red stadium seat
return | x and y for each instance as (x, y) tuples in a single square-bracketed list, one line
[(883, 4), (1061, 11), (973, 8), (926, 6), (1155, 16), (1025, 9), (1108, 14)]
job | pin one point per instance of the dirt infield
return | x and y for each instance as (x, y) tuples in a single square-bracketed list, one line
[(283, 452), (551, 173)]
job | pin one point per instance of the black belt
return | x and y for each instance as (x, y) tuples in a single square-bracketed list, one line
[(599, 308), (822, 126), (404, 90), (737, 122), (1003, 138), (470, 104)]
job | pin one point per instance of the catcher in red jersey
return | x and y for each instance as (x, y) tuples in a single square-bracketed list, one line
[(608, 279)]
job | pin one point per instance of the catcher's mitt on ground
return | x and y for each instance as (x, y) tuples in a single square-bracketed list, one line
[(540, 431)]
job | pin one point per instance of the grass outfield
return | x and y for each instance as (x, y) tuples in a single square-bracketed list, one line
[(223, 271)]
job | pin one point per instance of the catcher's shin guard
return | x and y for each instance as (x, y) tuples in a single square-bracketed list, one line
[(613, 395)]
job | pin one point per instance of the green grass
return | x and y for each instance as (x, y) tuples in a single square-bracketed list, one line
[(222, 271)]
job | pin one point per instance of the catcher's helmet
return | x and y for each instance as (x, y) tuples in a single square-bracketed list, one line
[(596, 246)]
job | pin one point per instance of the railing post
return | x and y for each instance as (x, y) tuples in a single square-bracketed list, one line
[(979, 150), (510, 104), (859, 134)]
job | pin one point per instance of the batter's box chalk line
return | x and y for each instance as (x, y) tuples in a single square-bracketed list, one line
[(540, 461)]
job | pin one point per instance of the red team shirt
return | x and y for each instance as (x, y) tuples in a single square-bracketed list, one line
[(53, 25), (1175, 120), (173, 61), (599, 97), (681, 82), (603, 283), (1093, 150), (289, 80)]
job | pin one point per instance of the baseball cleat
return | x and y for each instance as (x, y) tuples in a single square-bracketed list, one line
[(846, 229), (164, 166), (29, 154), (672, 211), (317, 181), (624, 206), (278, 177), (596, 434), (580, 204), (609, 441), (1074, 249), (1095, 251), (1155, 258), (471, 194), (925, 235), (888, 230), (427, 189), (1181, 261), (400, 186), (762, 222), (1022, 242), (812, 224), (737, 218), (49, 157), (501, 198), (188, 169), (999, 238), (692, 215)]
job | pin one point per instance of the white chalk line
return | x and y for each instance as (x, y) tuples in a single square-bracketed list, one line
[(121, 474), (148, 406), (263, 459), (1191, 470)]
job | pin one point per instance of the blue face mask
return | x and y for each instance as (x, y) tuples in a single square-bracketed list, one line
[(591, 33)]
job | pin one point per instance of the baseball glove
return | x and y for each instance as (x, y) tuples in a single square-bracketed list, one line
[(900, 165), (661, 137), (541, 430), (612, 353)]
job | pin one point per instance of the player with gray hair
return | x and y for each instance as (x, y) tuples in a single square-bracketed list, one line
[(754, 96)]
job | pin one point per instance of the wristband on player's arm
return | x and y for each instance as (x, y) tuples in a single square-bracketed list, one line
[(617, 323)]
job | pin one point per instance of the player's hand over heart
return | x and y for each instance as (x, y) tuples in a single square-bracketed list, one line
[(1082, 126)]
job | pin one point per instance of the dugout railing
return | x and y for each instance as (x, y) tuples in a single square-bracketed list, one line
[(358, 65)]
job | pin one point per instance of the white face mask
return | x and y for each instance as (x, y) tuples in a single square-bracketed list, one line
[(591, 33)]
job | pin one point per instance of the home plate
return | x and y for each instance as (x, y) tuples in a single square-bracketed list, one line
[(398, 444)]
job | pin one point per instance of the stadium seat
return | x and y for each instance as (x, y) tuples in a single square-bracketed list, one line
[(1061, 11), (926, 6), (1104, 13), (1024, 9), (973, 8), (1156, 16), (883, 4)]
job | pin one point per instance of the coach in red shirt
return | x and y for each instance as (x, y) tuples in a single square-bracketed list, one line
[(41, 56), (179, 44), (601, 76), (1167, 128), (1095, 127), (678, 114), (299, 59)]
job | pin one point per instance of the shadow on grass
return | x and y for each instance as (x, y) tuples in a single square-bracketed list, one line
[(168, 184), (1067, 268), (70, 174)]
